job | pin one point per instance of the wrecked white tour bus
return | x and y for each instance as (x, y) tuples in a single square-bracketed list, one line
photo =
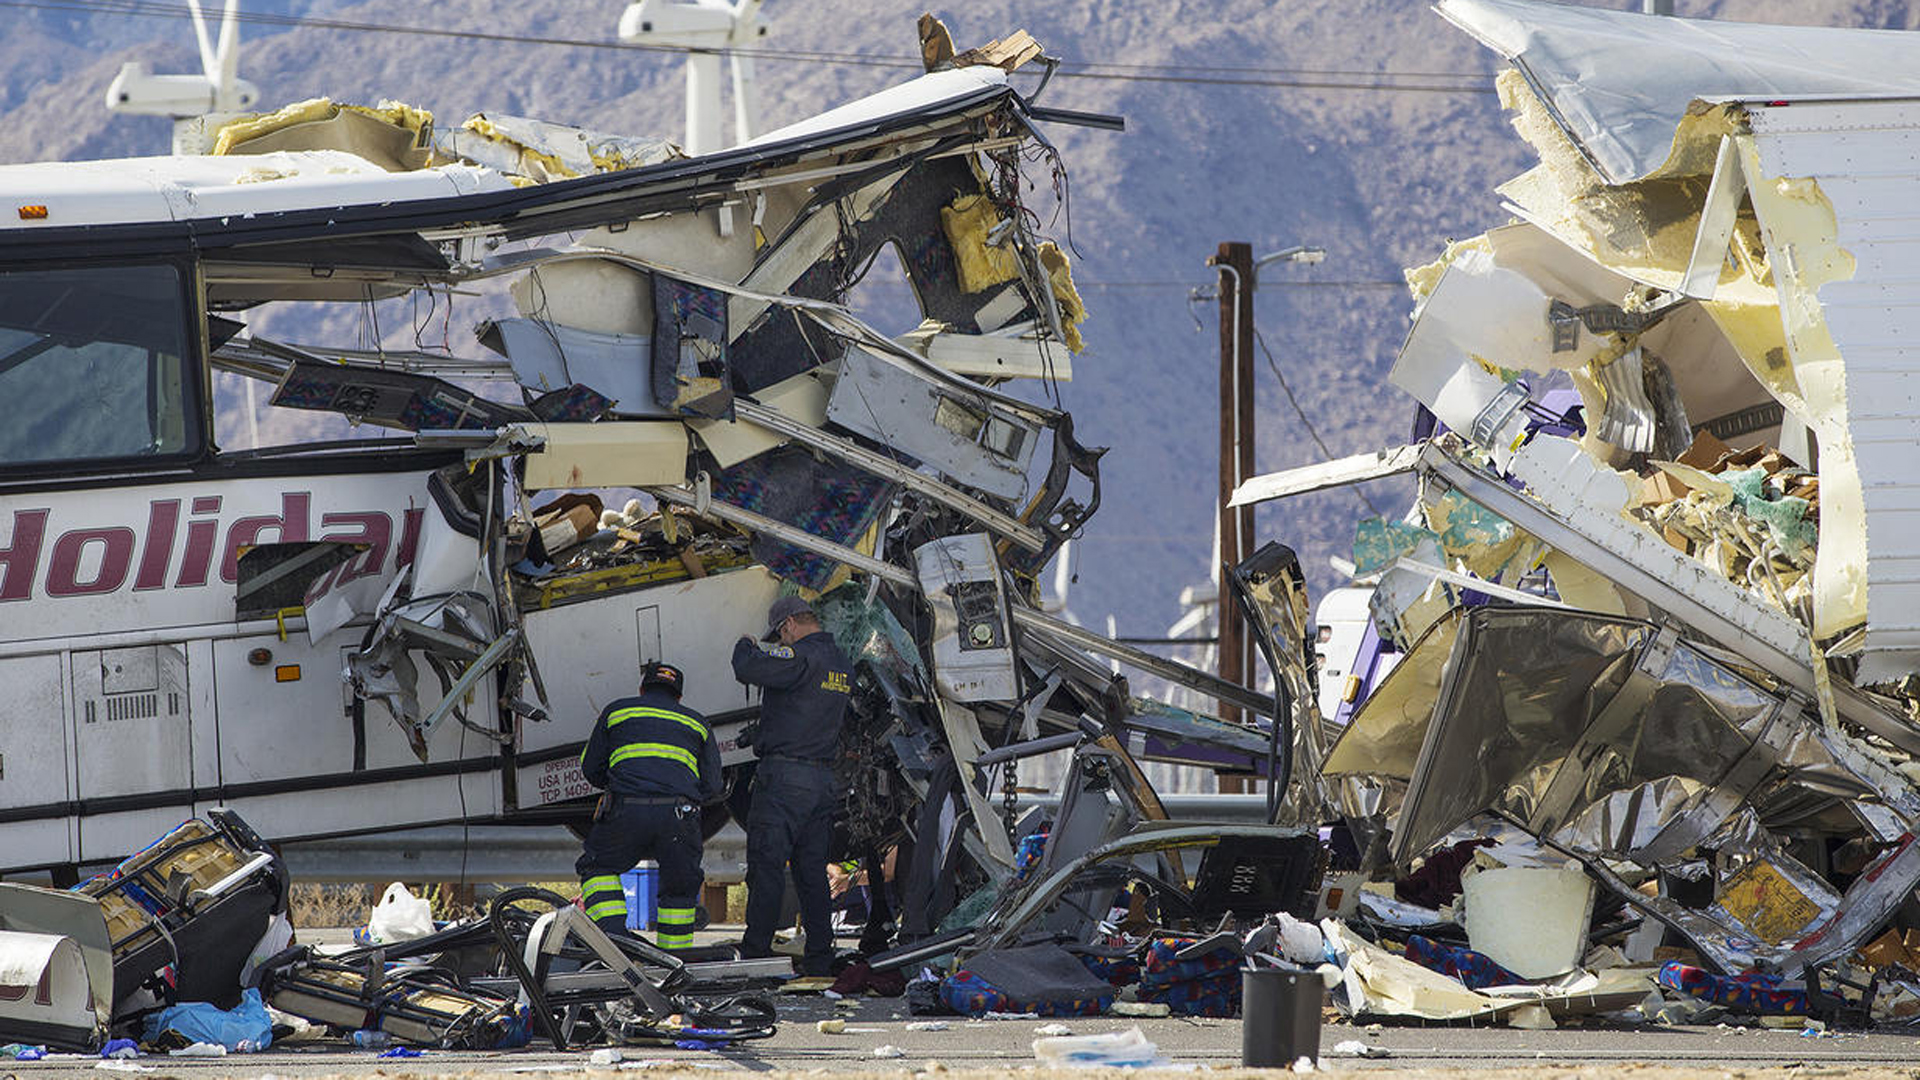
[(415, 624)]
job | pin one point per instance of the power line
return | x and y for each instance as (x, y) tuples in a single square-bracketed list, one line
[(1210, 75), (1325, 453)]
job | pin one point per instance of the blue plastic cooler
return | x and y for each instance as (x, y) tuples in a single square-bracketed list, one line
[(642, 886)]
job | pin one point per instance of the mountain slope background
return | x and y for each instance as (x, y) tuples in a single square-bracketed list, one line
[(1380, 178)]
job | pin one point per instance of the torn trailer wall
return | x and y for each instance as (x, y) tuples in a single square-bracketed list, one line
[(1648, 616), (1747, 190)]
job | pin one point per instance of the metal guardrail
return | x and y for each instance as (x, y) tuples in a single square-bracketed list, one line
[(506, 853), (480, 853)]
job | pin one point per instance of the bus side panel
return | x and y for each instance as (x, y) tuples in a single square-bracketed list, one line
[(131, 717), (590, 653), (36, 760), (286, 725)]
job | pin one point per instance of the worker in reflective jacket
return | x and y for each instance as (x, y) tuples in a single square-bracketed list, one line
[(657, 761), (806, 681)]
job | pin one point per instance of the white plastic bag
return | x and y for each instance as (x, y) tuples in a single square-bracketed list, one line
[(399, 916), (1127, 1049), (279, 935)]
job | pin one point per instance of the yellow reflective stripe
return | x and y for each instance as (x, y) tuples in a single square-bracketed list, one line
[(660, 750), (699, 728), (608, 907), (675, 914), (596, 884), (673, 941)]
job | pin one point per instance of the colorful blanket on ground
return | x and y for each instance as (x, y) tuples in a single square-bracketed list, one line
[(1204, 985), (970, 995), (1753, 992), (1476, 971), (1118, 970)]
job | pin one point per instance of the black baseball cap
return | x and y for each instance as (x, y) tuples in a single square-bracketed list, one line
[(783, 609)]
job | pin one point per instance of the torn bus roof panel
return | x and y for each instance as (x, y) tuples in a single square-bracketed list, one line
[(1007, 353), (136, 191), (543, 151), (923, 94)]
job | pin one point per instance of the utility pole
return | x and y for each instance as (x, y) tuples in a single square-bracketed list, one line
[(1235, 263)]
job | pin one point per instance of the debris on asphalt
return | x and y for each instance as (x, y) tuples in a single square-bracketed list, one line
[(1356, 1048), (1127, 1049), (1631, 726)]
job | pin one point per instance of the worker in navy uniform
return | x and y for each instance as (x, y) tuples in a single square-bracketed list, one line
[(658, 762), (806, 681)]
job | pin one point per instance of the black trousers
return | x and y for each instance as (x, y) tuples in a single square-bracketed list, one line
[(790, 828), (669, 835)]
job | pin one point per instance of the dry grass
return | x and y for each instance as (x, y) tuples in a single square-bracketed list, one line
[(328, 905), (321, 905), (325, 905)]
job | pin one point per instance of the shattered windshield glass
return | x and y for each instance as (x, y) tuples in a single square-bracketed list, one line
[(91, 365)]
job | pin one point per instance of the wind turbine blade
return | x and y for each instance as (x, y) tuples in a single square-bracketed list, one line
[(228, 54), (209, 60)]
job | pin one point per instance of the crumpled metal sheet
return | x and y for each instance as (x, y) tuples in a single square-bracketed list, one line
[(1727, 943), (1555, 718), (448, 632), (1272, 593)]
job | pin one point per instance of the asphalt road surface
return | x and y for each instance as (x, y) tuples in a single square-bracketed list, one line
[(1003, 1046)]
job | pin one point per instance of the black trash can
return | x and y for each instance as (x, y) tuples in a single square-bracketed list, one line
[(1280, 1017)]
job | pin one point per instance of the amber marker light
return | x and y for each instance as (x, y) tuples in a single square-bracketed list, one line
[(33, 213), (287, 673)]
